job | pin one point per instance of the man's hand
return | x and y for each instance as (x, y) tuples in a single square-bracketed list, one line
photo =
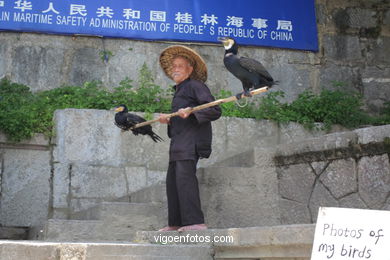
[(184, 112), (163, 119)]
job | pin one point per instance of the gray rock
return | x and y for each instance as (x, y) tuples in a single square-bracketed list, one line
[(340, 177), (359, 18), (320, 197), (319, 167), (296, 182), (350, 77), (376, 83), (342, 48), (25, 187), (98, 182), (374, 180), (375, 56), (375, 134), (352, 201), (293, 212), (33, 65)]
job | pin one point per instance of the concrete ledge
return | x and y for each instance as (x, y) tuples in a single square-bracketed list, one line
[(15, 233), (27, 250), (359, 142), (276, 242)]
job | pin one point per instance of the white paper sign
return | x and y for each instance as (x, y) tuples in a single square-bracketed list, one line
[(347, 234)]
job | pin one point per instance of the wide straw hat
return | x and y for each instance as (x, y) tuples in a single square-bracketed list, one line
[(167, 56)]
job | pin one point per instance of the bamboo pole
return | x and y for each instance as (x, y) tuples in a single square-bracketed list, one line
[(203, 106)]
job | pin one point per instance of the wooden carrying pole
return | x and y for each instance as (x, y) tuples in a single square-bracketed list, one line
[(200, 107)]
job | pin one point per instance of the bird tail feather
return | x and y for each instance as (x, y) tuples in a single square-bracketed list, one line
[(156, 137)]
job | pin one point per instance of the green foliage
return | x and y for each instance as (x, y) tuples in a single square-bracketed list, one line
[(23, 113), (231, 109), (329, 107)]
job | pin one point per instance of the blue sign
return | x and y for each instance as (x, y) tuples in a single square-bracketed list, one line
[(278, 23)]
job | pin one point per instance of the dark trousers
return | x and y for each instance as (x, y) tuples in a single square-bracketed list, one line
[(183, 194)]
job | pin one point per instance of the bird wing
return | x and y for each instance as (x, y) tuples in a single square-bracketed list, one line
[(255, 66), (134, 119)]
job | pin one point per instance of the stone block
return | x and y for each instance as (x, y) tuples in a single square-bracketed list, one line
[(374, 180), (320, 197), (342, 48), (4, 52), (99, 181), (293, 79), (100, 143), (25, 187), (242, 134), (327, 142), (136, 178), (375, 134), (154, 177), (377, 54), (352, 201), (142, 151), (340, 177), (86, 65), (319, 167), (272, 242), (386, 20), (293, 132), (349, 76), (36, 140), (61, 182), (376, 82), (296, 182), (361, 18), (293, 212), (152, 194), (226, 191), (25, 250), (35, 65)]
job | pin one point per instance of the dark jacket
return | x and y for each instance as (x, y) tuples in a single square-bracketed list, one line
[(191, 137)]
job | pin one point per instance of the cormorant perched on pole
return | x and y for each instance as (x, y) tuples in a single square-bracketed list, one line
[(251, 72), (125, 121)]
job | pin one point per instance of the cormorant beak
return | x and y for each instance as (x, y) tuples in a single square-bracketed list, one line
[(222, 39), (227, 42), (118, 109)]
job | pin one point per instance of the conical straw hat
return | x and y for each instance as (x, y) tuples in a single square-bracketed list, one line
[(167, 56)]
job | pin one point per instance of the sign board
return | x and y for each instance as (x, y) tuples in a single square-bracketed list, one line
[(277, 23), (345, 234)]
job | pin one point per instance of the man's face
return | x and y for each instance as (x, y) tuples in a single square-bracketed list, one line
[(181, 69)]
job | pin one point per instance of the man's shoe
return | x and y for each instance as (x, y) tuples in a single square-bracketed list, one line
[(193, 227), (169, 228)]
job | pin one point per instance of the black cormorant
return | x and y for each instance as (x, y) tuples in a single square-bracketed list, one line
[(252, 73), (125, 121)]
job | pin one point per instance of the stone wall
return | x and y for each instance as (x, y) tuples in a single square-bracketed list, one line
[(91, 160), (354, 39), (348, 169), (293, 171)]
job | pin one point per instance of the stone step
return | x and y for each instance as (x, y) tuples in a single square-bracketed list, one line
[(124, 212), (93, 230), (27, 250), (153, 194), (14, 233), (239, 197), (245, 159), (273, 242)]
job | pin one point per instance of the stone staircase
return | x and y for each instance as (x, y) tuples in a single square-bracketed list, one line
[(108, 221), (126, 230)]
